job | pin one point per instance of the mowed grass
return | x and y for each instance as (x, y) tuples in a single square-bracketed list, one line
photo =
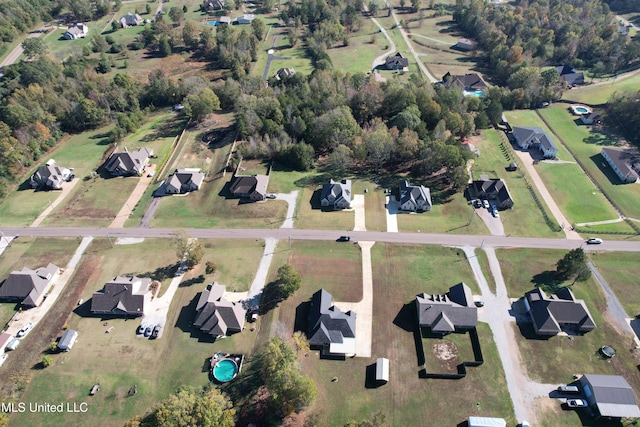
[(600, 94), (621, 271), (277, 40), (365, 45), (586, 145), (557, 359), (156, 367), (400, 272), (525, 219), (576, 196), (529, 118)]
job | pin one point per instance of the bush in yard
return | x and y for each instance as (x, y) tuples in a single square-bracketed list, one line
[(47, 361), (210, 267)]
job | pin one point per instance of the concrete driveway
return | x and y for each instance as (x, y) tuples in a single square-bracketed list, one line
[(495, 226), (291, 199), (66, 189), (357, 204), (127, 209), (391, 213)]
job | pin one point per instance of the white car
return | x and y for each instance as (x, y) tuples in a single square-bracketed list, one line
[(594, 241), (485, 203), (576, 403), (24, 331)]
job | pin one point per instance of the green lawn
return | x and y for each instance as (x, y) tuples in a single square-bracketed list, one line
[(621, 271), (600, 94), (365, 45), (530, 118), (586, 145)]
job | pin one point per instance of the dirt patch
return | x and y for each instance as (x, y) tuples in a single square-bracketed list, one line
[(445, 351)]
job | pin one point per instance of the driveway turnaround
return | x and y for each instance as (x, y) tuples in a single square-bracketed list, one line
[(495, 226), (66, 189), (364, 308), (34, 315)]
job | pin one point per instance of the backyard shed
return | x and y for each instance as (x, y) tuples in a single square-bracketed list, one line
[(68, 340), (382, 370), (486, 422)]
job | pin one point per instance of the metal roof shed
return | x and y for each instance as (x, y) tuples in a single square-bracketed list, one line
[(382, 370), (611, 395), (68, 340), (486, 422)]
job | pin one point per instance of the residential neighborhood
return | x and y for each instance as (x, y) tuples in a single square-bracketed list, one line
[(319, 213)]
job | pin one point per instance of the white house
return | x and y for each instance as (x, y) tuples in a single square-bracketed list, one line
[(76, 31), (535, 137), (336, 194), (247, 18), (625, 162), (414, 198)]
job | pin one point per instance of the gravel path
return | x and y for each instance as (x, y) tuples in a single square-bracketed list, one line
[(615, 310), (260, 279), (392, 46)]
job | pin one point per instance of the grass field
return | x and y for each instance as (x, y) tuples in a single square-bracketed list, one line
[(621, 271), (600, 94), (586, 145), (557, 359)]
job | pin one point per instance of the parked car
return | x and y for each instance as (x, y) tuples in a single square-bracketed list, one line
[(594, 241), (477, 203), (479, 303), (147, 332), (24, 331), (495, 213), (576, 403), (140, 330), (568, 389), (3, 358), (13, 344), (271, 196), (344, 239), (150, 174), (156, 331), (485, 203)]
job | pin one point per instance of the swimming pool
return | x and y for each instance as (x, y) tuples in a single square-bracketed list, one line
[(476, 93), (225, 370), (580, 109)]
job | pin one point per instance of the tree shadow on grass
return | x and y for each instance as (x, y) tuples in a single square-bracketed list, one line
[(159, 274), (547, 280), (600, 138), (193, 281)]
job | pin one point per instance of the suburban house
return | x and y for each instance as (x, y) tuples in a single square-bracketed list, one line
[(184, 181), (527, 137), (284, 73), (466, 44), (217, 316), (330, 329), (414, 198), (336, 194), (122, 296), (609, 396), (224, 20), (469, 82), (625, 162), (494, 190), (570, 75), (76, 31), (247, 18), (211, 5), (68, 339), (561, 312), (451, 312), (591, 118), (27, 285), (49, 176), (252, 187), (130, 20), (128, 163), (396, 62)]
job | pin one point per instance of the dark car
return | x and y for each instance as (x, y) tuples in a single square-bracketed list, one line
[(479, 303), (147, 332), (156, 331), (344, 239)]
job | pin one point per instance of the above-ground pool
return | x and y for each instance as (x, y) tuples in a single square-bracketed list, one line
[(225, 370), (580, 109)]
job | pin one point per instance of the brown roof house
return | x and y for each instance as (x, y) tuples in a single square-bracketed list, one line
[(561, 312), (625, 162), (184, 181), (467, 82), (122, 296), (252, 187), (330, 329), (451, 312), (494, 190), (211, 5), (128, 163), (396, 62), (336, 194), (609, 396), (414, 198), (50, 176), (28, 285), (217, 316)]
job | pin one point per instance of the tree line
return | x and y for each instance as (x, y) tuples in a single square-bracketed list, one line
[(625, 107)]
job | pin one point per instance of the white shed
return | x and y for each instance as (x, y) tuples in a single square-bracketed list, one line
[(68, 340), (486, 422), (382, 370)]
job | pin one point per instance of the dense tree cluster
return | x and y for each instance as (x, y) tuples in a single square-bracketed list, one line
[(624, 108), (19, 16), (581, 33), (573, 265), (624, 6)]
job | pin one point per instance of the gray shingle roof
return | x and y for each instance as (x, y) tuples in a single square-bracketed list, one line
[(419, 195), (470, 81), (539, 136), (215, 314), (28, 285), (626, 160), (551, 314), (49, 176), (448, 312), (124, 295), (128, 162), (336, 192), (327, 323), (183, 180)]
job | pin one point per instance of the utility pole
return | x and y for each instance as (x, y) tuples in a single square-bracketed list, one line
[(109, 237)]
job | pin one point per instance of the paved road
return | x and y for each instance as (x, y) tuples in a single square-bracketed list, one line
[(17, 51), (299, 234)]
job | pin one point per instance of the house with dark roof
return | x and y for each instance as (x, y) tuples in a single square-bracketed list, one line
[(468, 82), (336, 194), (414, 198), (67, 340), (396, 62), (217, 316), (212, 5), (122, 296), (494, 190), (535, 137), (27, 285), (330, 329), (609, 396), (451, 312), (591, 118), (625, 162), (50, 176), (76, 31), (128, 163), (570, 75), (284, 73), (130, 20), (184, 181), (560, 312), (466, 44), (252, 187)]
